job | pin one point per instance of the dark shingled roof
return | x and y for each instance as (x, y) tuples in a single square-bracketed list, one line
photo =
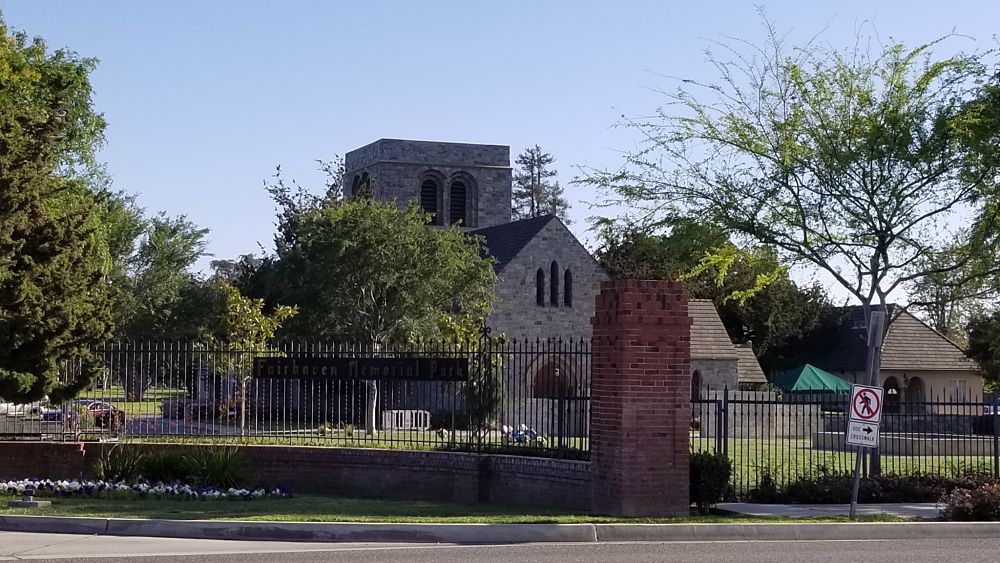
[(909, 345), (507, 240)]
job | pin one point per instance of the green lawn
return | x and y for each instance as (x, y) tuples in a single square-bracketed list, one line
[(335, 509)]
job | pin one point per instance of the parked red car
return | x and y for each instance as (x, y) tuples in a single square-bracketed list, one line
[(106, 415)]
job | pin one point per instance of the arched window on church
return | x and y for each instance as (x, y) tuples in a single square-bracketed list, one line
[(428, 199), (540, 287), (355, 184), (457, 202), (568, 288), (554, 284)]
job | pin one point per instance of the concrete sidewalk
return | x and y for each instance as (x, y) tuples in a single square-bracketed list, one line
[(915, 510)]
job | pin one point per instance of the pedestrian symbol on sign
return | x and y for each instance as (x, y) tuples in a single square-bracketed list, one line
[(866, 403)]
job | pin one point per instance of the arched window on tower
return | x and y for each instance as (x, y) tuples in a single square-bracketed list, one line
[(568, 288), (365, 187), (355, 184), (554, 284), (540, 287), (457, 207), (428, 199)]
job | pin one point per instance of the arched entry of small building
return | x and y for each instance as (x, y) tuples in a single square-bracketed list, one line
[(892, 395), (915, 390)]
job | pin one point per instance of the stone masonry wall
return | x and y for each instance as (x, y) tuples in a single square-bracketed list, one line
[(641, 399), (717, 374), (398, 168), (516, 312)]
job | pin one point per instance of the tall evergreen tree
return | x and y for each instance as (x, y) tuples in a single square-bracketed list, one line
[(535, 192), (53, 255)]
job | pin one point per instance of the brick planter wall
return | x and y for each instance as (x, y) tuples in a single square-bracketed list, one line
[(396, 474), (45, 460)]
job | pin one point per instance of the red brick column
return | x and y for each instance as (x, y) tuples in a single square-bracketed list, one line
[(640, 399)]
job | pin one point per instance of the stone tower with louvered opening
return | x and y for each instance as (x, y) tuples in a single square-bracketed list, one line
[(461, 183)]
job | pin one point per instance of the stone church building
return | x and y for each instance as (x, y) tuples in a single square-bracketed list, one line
[(548, 280)]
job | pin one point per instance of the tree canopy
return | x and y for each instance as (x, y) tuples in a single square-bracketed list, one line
[(984, 344), (756, 299), (535, 192), (54, 300), (858, 162), (364, 270)]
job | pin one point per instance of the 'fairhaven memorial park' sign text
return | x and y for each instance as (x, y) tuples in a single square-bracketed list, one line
[(427, 369)]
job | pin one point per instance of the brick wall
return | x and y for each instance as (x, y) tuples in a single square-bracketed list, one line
[(640, 399), (539, 482), (397, 474), (45, 460)]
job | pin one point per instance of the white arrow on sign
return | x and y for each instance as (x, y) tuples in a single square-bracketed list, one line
[(864, 434)]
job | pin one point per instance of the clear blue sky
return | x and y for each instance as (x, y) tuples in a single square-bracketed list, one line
[(204, 98)]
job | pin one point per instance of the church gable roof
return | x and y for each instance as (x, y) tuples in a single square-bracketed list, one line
[(504, 242), (710, 341)]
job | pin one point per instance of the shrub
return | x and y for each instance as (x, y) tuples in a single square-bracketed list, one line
[(709, 479), (166, 466), (120, 463), (827, 487), (221, 466), (981, 503)]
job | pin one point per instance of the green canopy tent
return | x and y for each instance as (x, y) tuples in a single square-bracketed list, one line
[(810, 379)]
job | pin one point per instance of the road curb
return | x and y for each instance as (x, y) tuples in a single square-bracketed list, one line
[(801, 531), (496, 533), (306, 531)]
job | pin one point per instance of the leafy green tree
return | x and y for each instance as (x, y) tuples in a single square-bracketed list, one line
[(535, 192), (984, 344), (756, 299), (53, 258), (850, 161), (949, 300), (151, 280), (363, 270), (246, 327), (366, 271)]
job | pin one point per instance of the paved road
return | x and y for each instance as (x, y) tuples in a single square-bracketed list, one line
[(65, 548)]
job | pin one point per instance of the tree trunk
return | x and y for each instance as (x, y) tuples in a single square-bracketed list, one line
[(371, 400), (371, 406)]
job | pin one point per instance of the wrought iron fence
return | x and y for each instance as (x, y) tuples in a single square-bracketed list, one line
[(784, 437), (491, 394)]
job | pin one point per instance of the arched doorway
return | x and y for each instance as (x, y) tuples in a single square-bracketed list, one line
[(892, 395), (696, 385), (915, 390), (558, 406)]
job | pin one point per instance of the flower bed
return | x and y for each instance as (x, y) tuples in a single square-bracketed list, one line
[(109, 489)]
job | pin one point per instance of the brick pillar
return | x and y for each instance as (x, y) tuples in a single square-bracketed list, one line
[(640, 399)]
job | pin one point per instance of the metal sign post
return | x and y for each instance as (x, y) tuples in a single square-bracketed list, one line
[(866, 406)]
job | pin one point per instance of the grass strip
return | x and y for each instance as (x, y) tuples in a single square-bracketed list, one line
[(307, 508)]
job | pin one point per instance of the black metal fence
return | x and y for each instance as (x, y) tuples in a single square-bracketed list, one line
[(526, 397), (784, 437)]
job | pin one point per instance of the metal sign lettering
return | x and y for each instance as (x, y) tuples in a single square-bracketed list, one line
[(864, 434), (416, 369)]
